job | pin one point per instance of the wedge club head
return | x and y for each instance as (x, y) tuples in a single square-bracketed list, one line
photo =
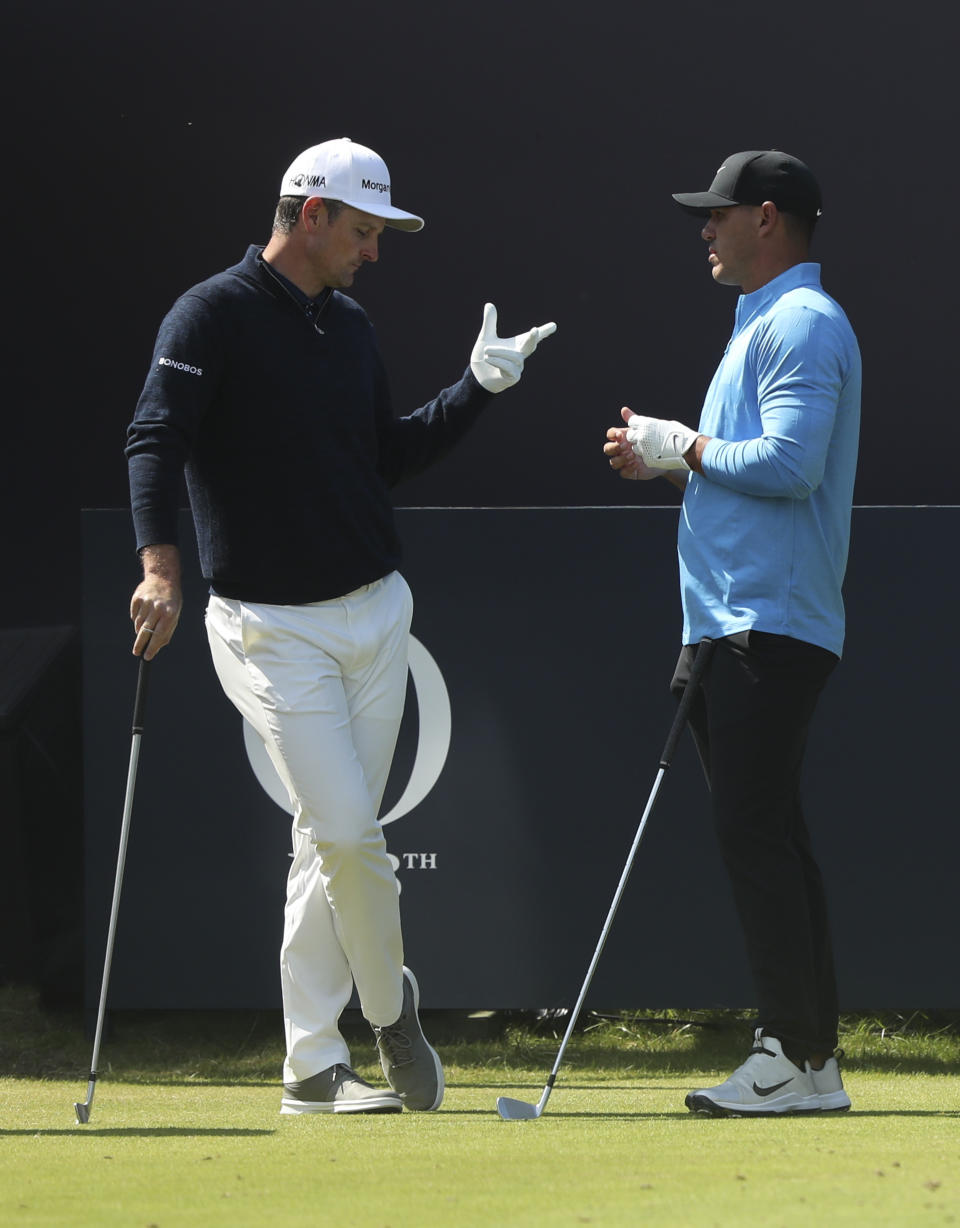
[(83, 1113), (516, 1110)]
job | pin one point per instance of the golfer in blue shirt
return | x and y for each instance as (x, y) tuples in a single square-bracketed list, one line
[(767, 480)]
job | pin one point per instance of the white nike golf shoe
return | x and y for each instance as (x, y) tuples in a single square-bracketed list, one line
[(829, 1086), (767, 1083)]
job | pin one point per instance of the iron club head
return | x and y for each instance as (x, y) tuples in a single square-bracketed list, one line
[(516, 1110), (83, 1113)]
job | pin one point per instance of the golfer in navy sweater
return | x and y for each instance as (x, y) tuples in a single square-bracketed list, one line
[(267, 390)]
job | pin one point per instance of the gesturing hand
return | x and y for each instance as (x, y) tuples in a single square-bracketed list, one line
[(497, 362)]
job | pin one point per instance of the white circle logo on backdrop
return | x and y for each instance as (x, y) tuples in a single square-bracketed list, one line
[(433, 740)]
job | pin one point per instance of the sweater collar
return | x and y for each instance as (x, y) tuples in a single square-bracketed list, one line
[(291, 288), (254, 266)]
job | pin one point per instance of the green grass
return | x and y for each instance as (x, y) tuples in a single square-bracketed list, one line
[(185, 1129)]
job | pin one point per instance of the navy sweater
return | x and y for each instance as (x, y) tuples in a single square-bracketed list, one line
[(278, 412)]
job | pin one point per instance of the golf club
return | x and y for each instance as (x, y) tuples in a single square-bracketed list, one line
[(519, 1110), (83, 1110)]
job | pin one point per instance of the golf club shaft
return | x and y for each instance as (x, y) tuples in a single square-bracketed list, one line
[(575, 1014), (700, 663), (138, 710)]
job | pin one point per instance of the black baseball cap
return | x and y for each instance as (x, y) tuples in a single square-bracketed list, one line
[(756, 175)]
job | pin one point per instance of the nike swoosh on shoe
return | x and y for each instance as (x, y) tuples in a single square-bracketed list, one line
[(768, 1091)]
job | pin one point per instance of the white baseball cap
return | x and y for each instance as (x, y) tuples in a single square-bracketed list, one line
[(342, 170)]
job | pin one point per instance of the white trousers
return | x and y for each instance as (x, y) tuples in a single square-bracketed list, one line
[(324, 686)]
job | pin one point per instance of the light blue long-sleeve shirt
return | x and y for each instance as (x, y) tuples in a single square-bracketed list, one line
[(765, 530)]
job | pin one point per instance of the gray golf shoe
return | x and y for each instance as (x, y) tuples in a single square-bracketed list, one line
[(338, 1089), (411, 1065)]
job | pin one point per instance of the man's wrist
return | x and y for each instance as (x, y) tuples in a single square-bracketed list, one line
[(694, 454), (162, 561)]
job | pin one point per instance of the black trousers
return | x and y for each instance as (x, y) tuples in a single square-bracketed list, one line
[(750, 723)]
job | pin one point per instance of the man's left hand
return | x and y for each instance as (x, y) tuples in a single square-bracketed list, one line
[(659, 443), (497, 362)]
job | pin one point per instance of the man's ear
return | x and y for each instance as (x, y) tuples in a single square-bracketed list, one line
[(314, 212), (769, 213)]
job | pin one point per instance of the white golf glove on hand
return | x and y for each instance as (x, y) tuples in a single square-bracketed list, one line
[(497, 362), (658, 443)]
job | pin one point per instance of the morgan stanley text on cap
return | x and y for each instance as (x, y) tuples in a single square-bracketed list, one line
[(353, 174), (754, 176)]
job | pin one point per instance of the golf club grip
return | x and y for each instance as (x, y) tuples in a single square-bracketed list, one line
[(700, 662), (140, 702)]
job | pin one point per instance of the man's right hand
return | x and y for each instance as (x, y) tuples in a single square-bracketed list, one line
[(623, 460), (157, 600)]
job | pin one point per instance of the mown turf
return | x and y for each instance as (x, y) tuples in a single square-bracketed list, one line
[(185, 1131), (610, 1150)]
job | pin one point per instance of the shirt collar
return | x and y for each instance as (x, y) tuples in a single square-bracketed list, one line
[(805, 274), (749, 305)]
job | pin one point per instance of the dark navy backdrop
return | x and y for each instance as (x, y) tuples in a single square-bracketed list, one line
[(557, 655), (541, 141)]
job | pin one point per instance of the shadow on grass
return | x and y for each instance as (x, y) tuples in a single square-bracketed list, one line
[(147, 1078), (581, 1115), (565, 1085), (79, 1131), (561, 1113)]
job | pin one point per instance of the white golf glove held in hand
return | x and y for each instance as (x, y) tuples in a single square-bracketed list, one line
[(497, 362), (658, 443)]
